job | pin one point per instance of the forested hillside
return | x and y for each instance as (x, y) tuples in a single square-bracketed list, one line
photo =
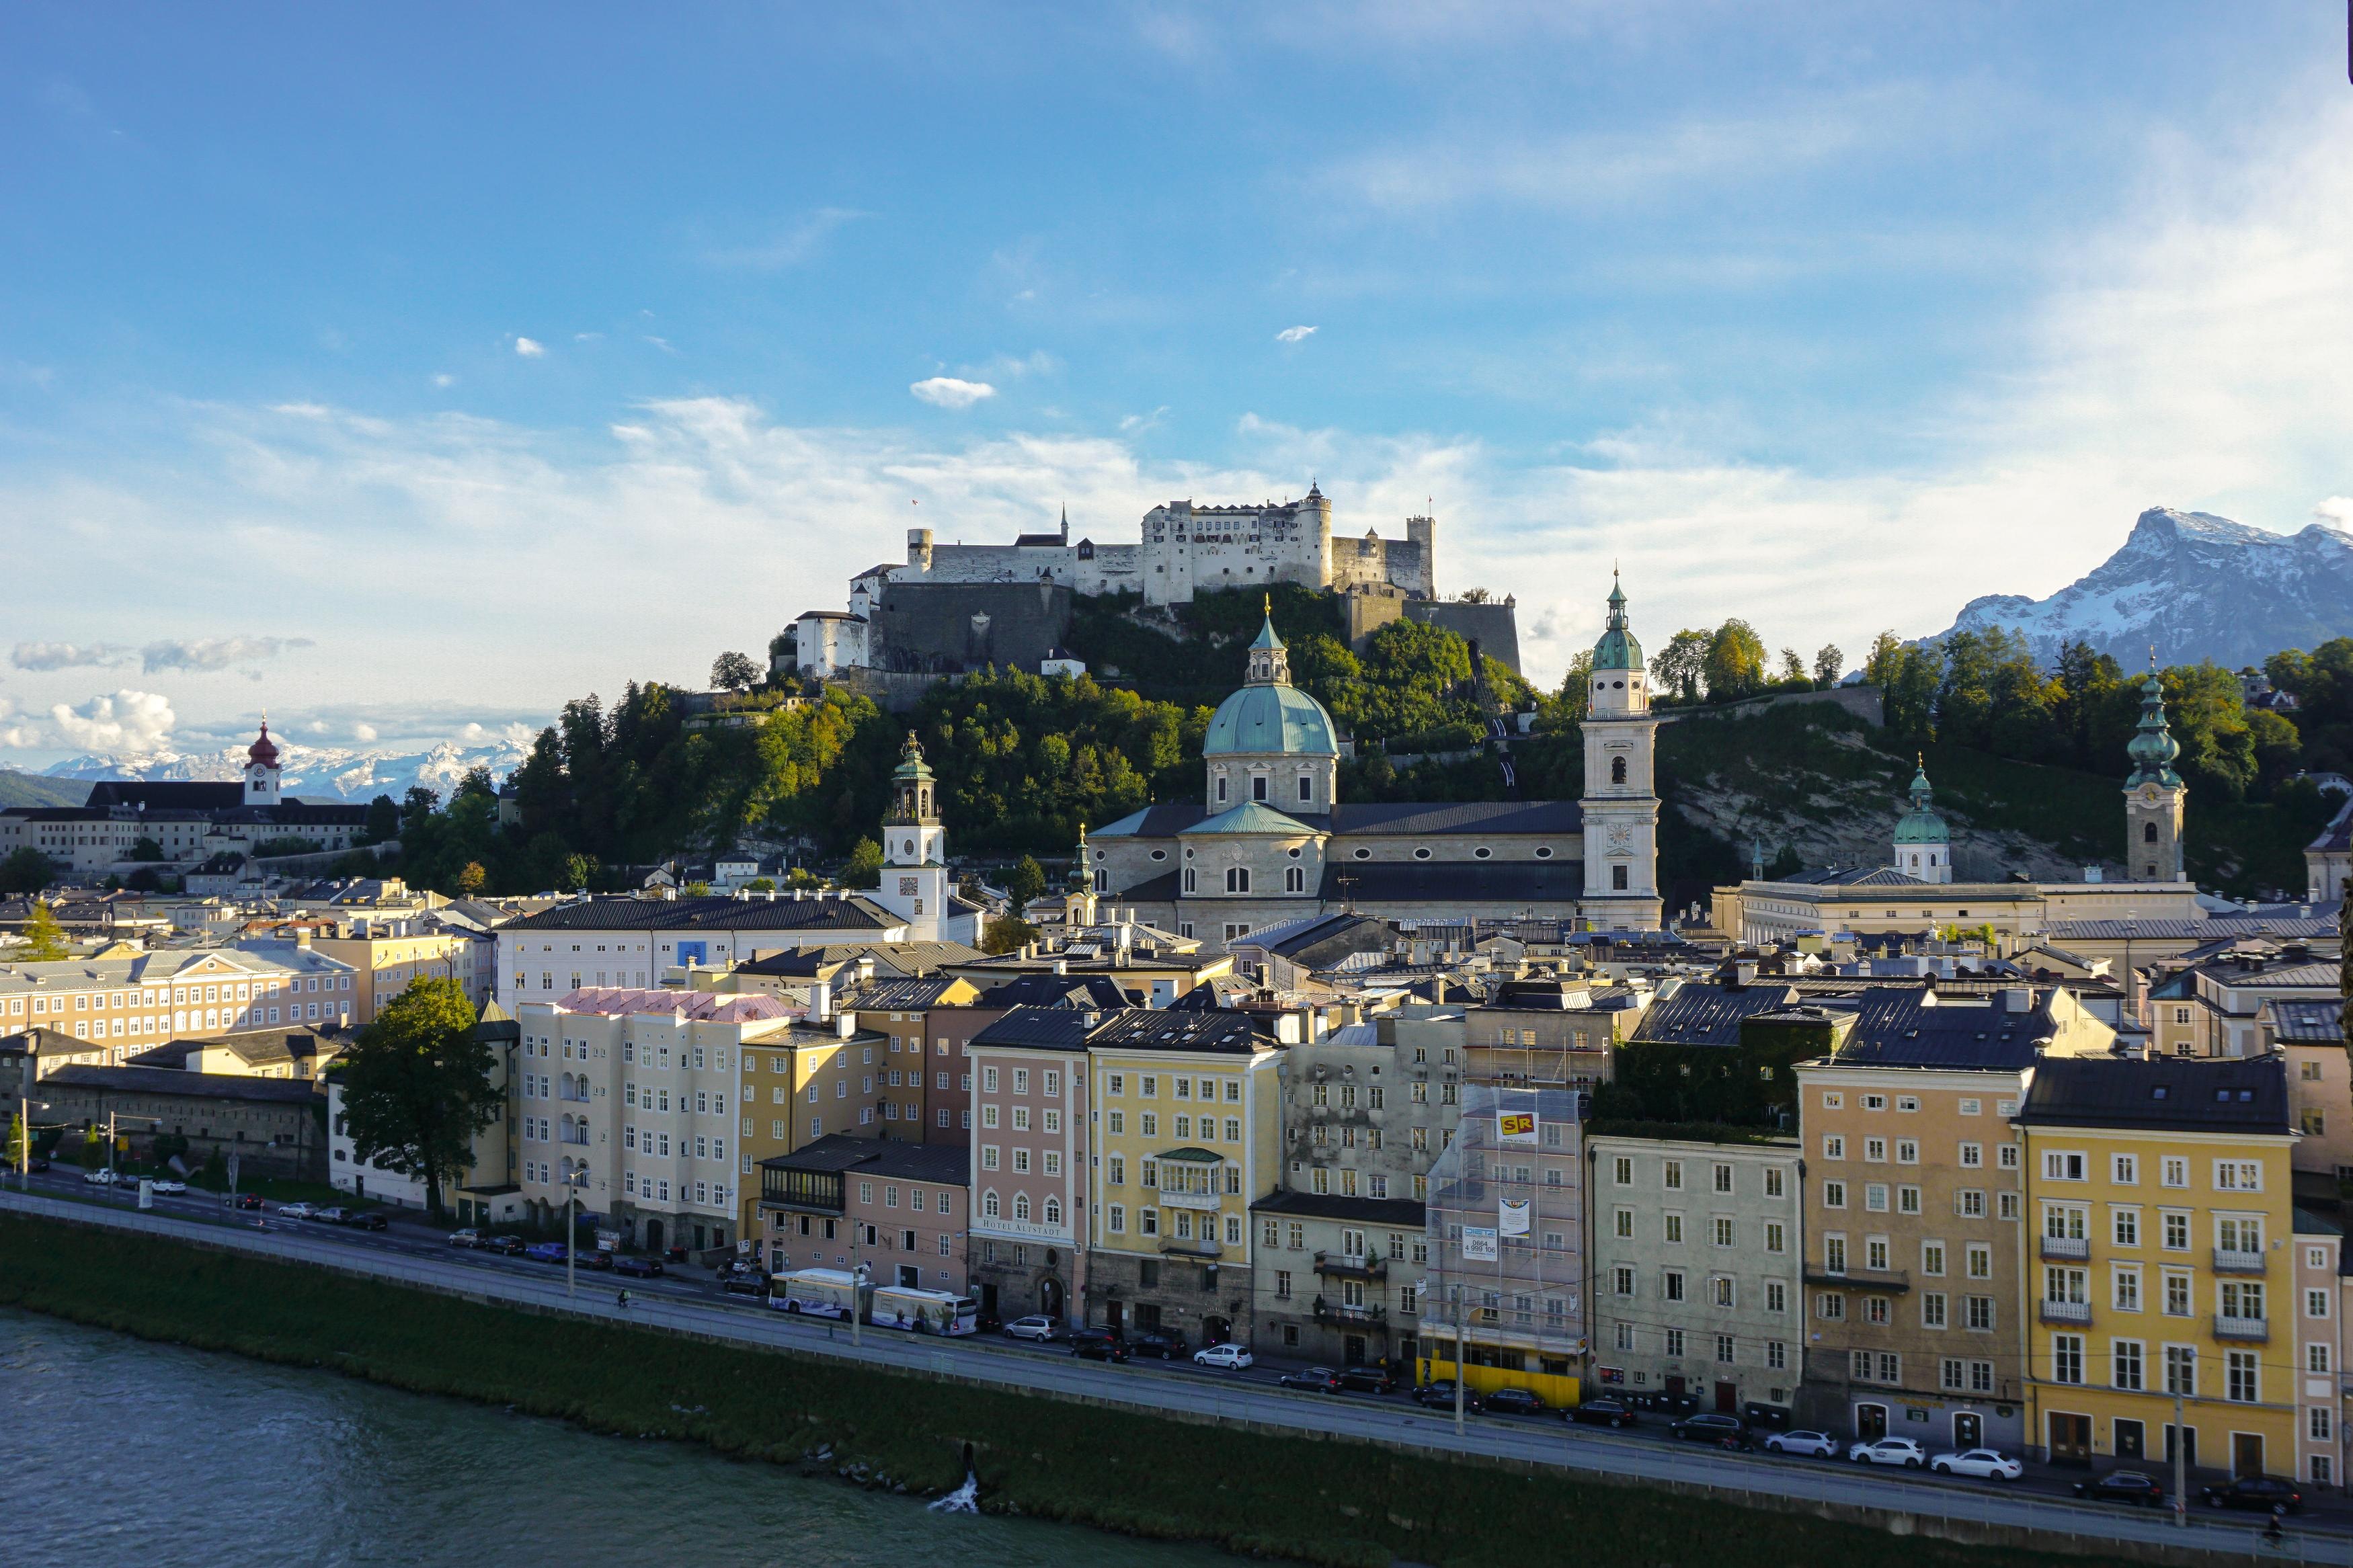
[(2028, 763)]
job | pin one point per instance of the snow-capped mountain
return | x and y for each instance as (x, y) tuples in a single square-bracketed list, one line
[(2196, 585), (312, 773)]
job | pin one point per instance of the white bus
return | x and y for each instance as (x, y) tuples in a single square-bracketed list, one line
[(923, 1311), (819, 1292)]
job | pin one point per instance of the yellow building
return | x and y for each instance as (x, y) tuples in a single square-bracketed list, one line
[(1188, 1134), (383, 965), (2163, 1269)]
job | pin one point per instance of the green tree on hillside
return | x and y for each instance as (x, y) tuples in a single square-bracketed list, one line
[(1681, 667), (1024, 882), (26, 871), (864, 866), (1828, 662), (734, 672), (1735, 662), (417, 1086)]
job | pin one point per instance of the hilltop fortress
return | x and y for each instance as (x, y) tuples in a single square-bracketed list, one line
[(952, 607)]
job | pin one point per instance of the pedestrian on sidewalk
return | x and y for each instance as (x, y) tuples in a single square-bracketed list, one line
[(625, 1301)]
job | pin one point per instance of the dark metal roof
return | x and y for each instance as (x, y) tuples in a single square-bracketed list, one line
[(189, 1085), (898, 996), (1039, 1029), (1708, 1015), (2178, 1093), (834, 912), (1096, 992), (948, 1164), (1505, 882), (1529, 816), (2314, 1023), (1906, 1025), (1400, 1213), (1141, 1028)]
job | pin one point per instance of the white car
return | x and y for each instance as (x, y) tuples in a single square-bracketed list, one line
[(1031, 1328), (1819, 1445), (169, 1187), (1902, 1451), (1983, 1463), (1230, 1357), (101, 1178), (297, 1211)]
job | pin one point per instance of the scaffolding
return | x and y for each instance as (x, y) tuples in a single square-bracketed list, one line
[(1506, 1229)]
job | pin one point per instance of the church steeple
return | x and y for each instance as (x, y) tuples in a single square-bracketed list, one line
[(2154, 796), (911, 788), (2153, 747), (1269, 662), (1923, 845)]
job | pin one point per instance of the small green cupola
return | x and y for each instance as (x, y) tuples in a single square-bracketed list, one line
[(1617, 649), (2153, 747), (1269, 661), (1923, 845)]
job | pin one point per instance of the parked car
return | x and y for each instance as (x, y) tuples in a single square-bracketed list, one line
[(1723, 1431), (366, 1219), (1601, 1413), (1440, 1395), (734, 1285), (1369, 1380), (1986, 1463), (547, 1252), (2262, 1494), (504, 1245), (101, 1178), (467, 1238), (1152, 1341), (1037, 1326), (242, 1201), (36, 1165), (2123, 1486), (1904, 1452), (1513, 1402), (1227, 1357), (628, 1266), (333, 1214), (1321, 1378), (168, 1186), (1097, 1344), (297, 1211), (597, 1257), (1813, 1445)]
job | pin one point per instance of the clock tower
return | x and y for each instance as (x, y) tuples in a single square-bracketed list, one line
[(2153, 794), (914, 848), (1620, 804)]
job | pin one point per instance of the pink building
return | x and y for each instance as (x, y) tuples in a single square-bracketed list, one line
[(1028, 1162), (899, 1208)]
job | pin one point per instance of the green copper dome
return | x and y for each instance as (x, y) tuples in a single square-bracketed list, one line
[(2153, 747), (1270, 719), (1921, 825), (1617, 649)]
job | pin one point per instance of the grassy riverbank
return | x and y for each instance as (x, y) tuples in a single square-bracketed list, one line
[(1295, 1496)]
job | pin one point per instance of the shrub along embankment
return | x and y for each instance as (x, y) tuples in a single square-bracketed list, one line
[(1289, 1495)]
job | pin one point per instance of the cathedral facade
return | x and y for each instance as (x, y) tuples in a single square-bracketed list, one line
[(1268, 840)]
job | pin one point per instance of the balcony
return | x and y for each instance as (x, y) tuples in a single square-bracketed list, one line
[(1341, 1312), (2254, 1330), (1173, 1246), (2065, 1311), (2228, 1261), (1352, 1266), (1859, 1279), (2074, 1248)]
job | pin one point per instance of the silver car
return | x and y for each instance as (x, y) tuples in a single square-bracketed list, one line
[(1814, 1444), (1903, 1451), (1986, 1463)]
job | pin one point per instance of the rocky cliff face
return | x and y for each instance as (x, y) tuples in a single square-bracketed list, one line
[(2195, 586)]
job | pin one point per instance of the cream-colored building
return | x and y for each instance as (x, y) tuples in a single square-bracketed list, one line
[(384, 962), (133, 1003)]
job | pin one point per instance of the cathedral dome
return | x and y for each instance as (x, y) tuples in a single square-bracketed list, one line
[(1921, 825), (1617, 649), (1270, 719), (264, 750)]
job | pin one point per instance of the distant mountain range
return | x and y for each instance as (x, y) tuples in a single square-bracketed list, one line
[(2197, 587), (312, 773)]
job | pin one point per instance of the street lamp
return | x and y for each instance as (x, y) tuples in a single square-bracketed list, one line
[(858, 1279), (26, 1106)]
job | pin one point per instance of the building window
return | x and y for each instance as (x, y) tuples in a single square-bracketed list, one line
[(2067, 1358), (2241, 1382)]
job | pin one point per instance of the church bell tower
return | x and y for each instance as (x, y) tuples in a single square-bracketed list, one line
[(1620, 804), (2154, 796), (914, 847)]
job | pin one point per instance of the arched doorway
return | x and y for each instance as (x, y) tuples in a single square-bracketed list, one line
[(653, 1235), (1049, 1297)]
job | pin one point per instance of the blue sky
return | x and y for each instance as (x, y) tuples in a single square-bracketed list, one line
[(408, 371)]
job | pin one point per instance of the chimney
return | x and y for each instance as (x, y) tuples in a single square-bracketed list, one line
[(2019, 1000), (1061, 967), (822, 1001), (303, 937), (845, 1024)]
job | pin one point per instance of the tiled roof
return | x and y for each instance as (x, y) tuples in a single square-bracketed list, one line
[(842, 912)]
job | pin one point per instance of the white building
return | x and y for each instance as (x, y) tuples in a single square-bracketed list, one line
[(915, 887), (636, 941), (142, 1000)]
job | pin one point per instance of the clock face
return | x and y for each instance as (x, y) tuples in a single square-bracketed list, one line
[(2148, 794)]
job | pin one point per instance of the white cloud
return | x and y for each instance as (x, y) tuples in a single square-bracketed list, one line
[(2336, 511), (587, 337), (661, 344), (948, 392), (445, 380), (214, 653), (797, 244), (364, 732), (531, 347), (128, 721), (49, 655), (1294, 334)]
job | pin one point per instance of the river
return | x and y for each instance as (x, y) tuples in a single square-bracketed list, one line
[(113, 1450)]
